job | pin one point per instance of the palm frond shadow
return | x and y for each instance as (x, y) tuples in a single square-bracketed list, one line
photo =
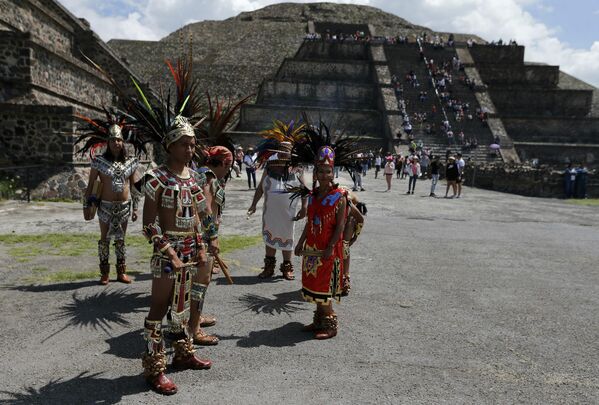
[(100, 311), (85, 388), (287, 303)]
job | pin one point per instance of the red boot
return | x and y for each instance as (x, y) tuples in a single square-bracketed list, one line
[(154, 365), (185, 358), (104, 273), (121, 276)]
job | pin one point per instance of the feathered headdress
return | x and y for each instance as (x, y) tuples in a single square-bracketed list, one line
[(167, 120), (216, 145), (97, 132), (279, 140), (317, 146)]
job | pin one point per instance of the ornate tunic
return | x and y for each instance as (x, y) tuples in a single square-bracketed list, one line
[(184, 194), (119, 172), (321, 278)]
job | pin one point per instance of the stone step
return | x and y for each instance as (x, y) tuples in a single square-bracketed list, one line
[(360, 122), (324, 93), (354, 71)]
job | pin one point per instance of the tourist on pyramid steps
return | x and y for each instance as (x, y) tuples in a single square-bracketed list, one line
[(435, 171), (461, 165), (279, 213), (414, 172), (249, 160), (353, 226), (109, 188), (389, 170), (451, 175)]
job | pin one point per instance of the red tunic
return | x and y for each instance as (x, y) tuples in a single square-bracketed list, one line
[(321, 278)]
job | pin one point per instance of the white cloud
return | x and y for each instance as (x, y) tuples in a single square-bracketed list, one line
[(489, 19)]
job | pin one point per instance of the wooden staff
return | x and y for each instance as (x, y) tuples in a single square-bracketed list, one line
[(315, 253), (223, 267)]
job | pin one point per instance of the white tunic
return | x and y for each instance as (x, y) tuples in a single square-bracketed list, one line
[(278, 213)]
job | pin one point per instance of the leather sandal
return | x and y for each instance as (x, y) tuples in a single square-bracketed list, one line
[(207, 320), (269, 267), (287, 269), (329, 328), (203, 339)]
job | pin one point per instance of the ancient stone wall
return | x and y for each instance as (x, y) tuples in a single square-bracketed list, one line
[(332, 51), (497, 55), (69, 77), (351, 71), (36, 134), (258, 117), (566, 130), (536, 75), (527, 102), (44, 25), (323, 93), (558, 154), (524, 180)]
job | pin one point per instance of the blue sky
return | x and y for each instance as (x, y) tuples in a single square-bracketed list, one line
[(558, 32), (576, 22)]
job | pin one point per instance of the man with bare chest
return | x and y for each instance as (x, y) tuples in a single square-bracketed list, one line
[(114, 171)]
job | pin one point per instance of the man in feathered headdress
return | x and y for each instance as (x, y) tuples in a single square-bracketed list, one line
[(174, 221), (109, 186), (279, 213)]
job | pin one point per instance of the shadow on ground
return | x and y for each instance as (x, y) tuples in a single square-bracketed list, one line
[(287, 335), (287, 302), (100, 311), (73, 285), (84, 389), (247, 280)]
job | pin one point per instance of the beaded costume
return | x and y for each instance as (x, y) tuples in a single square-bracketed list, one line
[(115, 214)]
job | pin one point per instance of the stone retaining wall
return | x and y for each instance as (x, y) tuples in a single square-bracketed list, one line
[(351, 71), (45, 26), (524, 180), (332, 50), (538, 75), (497, 55), (333, 93)]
